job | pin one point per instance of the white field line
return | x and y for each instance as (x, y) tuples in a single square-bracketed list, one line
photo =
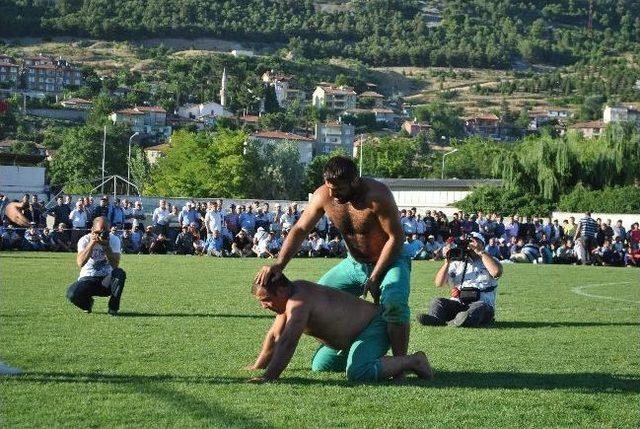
[(579, 290)]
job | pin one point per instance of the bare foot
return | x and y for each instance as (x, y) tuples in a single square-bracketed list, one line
[(422, 367)]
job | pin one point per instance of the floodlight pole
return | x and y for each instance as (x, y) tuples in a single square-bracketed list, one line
[(360, 153), (448, 153), (129, 161), (104, 149)]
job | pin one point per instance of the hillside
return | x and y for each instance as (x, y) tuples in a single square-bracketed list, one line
[(457, 33)]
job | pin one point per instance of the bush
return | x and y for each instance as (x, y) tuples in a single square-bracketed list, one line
[(491, 199), (625, 199)]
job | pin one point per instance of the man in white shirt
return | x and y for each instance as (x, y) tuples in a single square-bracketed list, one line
[(78, 220), (100, 275), (160, 218), (213, 219)]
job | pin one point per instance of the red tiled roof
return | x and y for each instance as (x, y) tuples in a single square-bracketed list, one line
[(280, 135), (249, 118), (159, 147), (342, 90), (486, 117), (156, 109), (129, 111), (371, 94)]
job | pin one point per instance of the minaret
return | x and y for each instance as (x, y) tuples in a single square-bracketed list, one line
[(223, 90)]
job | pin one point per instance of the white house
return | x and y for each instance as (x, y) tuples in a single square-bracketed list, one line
[(284, 87), (198, 111), (333, 135), (305, 144), (334, 97), (621, 114), (151, 120)]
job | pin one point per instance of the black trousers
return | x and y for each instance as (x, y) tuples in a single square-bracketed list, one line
[(81, 292), (479, 313)]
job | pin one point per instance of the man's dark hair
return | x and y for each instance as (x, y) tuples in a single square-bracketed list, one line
[(272, 285), (340, 169)]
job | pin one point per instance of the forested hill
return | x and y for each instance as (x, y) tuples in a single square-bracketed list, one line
[(480, 33)]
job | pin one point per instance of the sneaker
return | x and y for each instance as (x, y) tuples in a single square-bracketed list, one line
[(429, 320), (459, 320), (112, 312)]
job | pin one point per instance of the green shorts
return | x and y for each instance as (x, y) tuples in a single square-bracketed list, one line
[(361, 361), (351, 275)]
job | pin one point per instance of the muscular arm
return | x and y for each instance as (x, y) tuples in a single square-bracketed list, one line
[(297, 316), (492, 265), (83, 255), (269, 342), (388, 217), (302, 227), (443, 274)]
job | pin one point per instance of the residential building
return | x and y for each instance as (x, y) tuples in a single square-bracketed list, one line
[(154, 153), (151, 120), (8, 71), (242, 53), (334, 98), (43, 73), (76, 103), (285, 88), (201, 110), (305, 144), (382, 115), (334, 135), (621, 114), (588, 129), (376, 99), (484, 125), (413, 128)]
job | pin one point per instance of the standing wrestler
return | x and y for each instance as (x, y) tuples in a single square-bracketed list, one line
[(365, 213)]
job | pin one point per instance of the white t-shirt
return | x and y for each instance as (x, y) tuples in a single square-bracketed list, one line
[(476, 276), (97, 265)]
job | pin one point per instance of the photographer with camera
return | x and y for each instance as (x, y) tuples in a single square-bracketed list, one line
[(473, 273), (100, 275)]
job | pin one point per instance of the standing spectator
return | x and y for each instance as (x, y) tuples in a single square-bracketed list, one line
[(232, 219), (455, 226), (571, 227), (60, 211), (190, 216), (512, 227), (35, 209), (408, 222), (619, 231), (587, 231), (420, 227), (634, 236), (127, 210), (213, 219), (430, 224), (116, 214), (102, 210), (248, 220), (4, 200), (138, 216), (78, 220), (173, 227), (160, 218), (275, 218)]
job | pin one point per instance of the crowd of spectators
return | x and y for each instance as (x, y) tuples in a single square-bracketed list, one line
[(525, 240), (257, 230), (197, 228)]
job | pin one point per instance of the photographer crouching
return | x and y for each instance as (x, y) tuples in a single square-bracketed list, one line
[(473, 273), (99, 259)]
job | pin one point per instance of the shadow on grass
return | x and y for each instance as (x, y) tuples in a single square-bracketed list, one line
[(584, 382), (213, 315), (515, 324)]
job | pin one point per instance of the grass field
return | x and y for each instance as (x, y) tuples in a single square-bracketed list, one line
[(564, 352)]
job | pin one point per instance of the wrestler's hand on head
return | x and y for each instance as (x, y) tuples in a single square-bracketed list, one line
[(266, 273)]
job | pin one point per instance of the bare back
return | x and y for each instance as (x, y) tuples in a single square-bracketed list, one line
[(335, 318), (359, 221)]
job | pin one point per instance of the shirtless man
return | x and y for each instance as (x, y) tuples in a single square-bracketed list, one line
[(366, 215), (341, 322)]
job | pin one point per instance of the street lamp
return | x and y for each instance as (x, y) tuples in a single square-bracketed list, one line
[(448, 153), (129, 161)]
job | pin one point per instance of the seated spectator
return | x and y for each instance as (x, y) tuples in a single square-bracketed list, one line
[(336, 248), (493, 249), (505, 250), (32, 239), (605, 256), (214, 246), (159, 245), (184, 242), (11, 240), (127, 242), (45, 239), (261, 246), (60, 239), (415, 247), (317, 244), (433, 248), (147, 239), (275, 244), (242, 245), (198, 245), (546, 255), (565, 254), (632, 257), (529, 253)]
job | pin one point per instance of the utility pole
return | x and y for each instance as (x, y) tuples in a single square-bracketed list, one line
[(360, 152), (104, 149)]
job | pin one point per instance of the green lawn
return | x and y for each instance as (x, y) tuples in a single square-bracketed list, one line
[(188, 327)]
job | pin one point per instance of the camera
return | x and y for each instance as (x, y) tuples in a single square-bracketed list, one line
[(104, 235), (458, 251)]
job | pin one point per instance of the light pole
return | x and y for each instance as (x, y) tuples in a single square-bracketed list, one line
[(129, 161), (448, 153), (360, 152)]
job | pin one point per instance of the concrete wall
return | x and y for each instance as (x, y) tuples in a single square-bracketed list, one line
[(15, 181), (62, 114)]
